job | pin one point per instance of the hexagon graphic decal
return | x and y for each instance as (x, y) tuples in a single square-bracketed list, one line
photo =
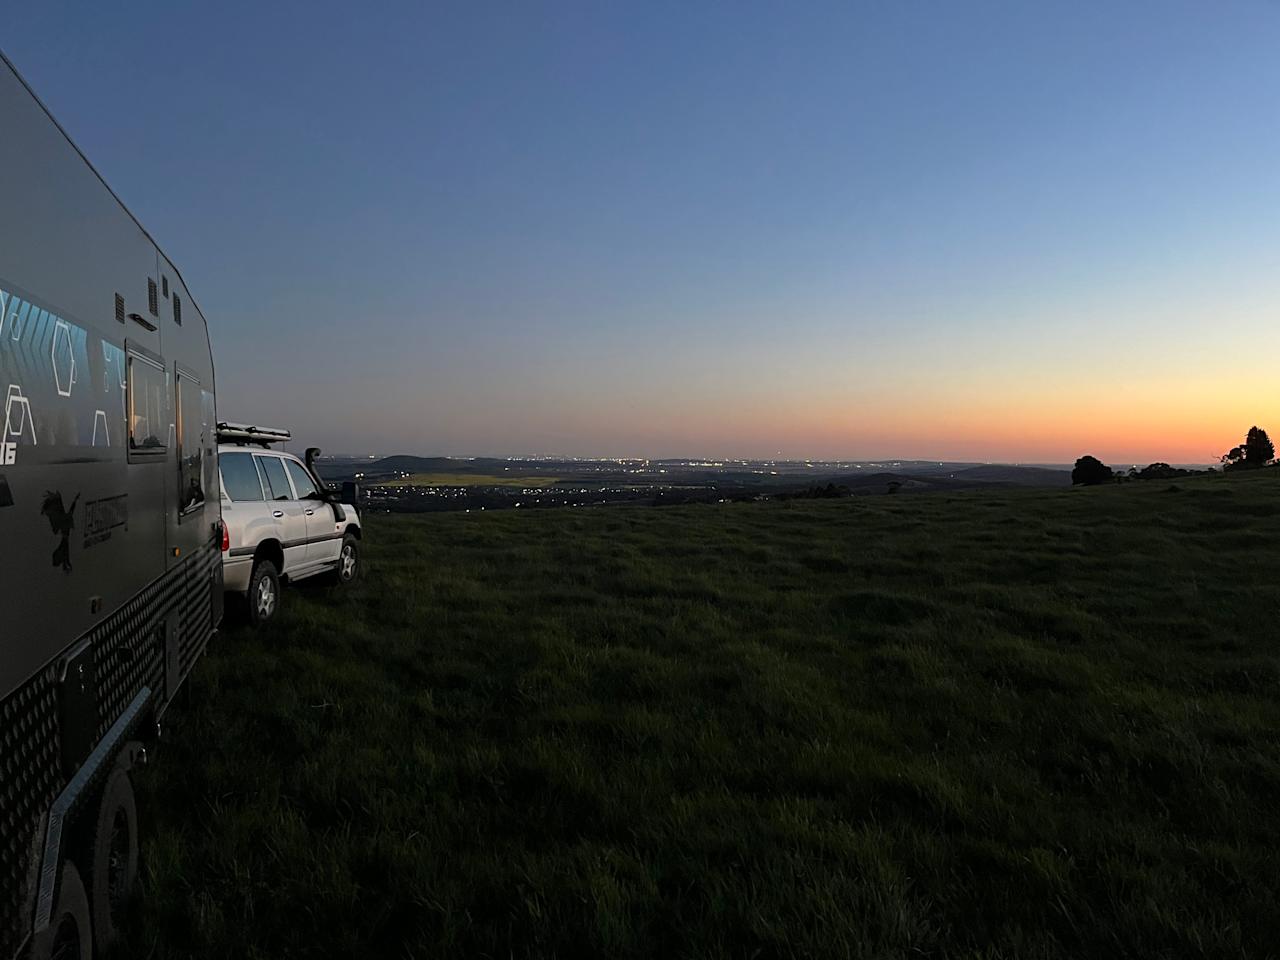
[(15, 404), (63, 354)]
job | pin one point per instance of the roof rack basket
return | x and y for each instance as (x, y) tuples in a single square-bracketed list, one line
[(244, 433)]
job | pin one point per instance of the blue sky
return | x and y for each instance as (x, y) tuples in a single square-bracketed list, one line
[(999, 230)]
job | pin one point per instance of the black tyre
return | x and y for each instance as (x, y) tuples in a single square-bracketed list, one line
[(264, 592), (113, 875), (348, 569), (70, 929)]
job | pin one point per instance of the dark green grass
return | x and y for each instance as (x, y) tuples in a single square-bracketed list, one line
[(1025, 725)]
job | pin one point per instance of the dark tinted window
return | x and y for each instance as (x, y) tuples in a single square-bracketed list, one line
[(239, 478), (210, 419), (302, 482), (276, 482), (148, 405), (191, 443)]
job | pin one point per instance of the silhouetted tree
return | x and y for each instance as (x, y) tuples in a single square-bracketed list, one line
[(1258, 447), (1256, 451), (1090, 471), (1162, 471)]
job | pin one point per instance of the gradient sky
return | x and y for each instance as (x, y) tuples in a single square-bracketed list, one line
[(1008, 231)]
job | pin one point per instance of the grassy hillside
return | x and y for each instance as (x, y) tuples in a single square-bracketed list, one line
[(1034, 724)]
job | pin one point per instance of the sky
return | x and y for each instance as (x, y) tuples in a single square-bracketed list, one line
[(967, 231)]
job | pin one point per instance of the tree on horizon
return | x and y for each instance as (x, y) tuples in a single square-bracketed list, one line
[(1256, 451), (1090, 472)]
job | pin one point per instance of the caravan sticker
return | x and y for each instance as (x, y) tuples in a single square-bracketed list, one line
[(61, 520), (64, 387), (103, 516)]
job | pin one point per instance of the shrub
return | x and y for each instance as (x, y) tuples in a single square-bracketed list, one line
[(1090, 471)]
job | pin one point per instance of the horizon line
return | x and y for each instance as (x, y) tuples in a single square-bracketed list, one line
[(775, 459)]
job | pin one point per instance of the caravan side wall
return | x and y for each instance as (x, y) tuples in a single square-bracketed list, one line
[(109, 500)]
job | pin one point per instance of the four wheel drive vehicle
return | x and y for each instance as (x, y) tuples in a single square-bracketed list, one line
[(280, 521)]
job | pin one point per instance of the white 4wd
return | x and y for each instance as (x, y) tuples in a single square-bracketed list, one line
[(280, 524)]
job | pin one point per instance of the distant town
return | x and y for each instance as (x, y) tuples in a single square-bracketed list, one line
[(404, 483)]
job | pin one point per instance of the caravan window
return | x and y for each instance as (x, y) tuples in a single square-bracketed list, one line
[(191, 442), (149, 417)]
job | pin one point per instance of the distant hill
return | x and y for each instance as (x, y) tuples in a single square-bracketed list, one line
[(384, 467), (404, 463), (408, 464), (911, 476), (1022, 476), (970, 478)]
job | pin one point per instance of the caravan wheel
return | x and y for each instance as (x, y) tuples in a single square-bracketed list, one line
[(115, 858), (70, 930)]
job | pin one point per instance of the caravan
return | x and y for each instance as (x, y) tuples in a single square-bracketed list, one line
[(110, 521)]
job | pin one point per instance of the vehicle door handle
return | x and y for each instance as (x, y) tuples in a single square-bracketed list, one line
[(310, 512), (277, 513)]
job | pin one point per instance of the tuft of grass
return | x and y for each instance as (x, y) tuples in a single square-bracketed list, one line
[(950, 726)]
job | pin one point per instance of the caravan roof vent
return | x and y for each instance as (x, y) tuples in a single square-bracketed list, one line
[(246, 433)]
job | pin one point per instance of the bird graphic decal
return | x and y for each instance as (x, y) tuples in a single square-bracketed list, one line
[(61, 520)]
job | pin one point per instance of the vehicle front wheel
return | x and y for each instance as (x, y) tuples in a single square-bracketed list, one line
[(264, 592), (348, 568)]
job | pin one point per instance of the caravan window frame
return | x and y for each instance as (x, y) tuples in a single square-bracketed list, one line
[(136, 353), (180, 374)]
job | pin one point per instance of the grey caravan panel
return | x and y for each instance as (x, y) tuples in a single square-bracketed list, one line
[(195, 495), (67, 248), (96, 557)]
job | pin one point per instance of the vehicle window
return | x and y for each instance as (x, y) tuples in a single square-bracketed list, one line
[(239, 477), (148, 405), (191, 442), (274, 479), (302, 482)]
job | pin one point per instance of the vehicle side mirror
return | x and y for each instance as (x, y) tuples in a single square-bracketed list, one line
[(351, 493)]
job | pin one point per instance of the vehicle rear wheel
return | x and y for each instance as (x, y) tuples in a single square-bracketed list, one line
[(348, 568), (264, 592), (70, 929), (114, 872)]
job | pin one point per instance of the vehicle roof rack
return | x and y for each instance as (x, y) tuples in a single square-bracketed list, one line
[(244, 433)]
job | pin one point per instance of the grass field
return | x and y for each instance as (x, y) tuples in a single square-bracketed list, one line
[(1023, 725), (469, 480)]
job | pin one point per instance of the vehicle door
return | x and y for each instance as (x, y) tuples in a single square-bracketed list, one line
[(286, 508), (245, 508), (324, 537)]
